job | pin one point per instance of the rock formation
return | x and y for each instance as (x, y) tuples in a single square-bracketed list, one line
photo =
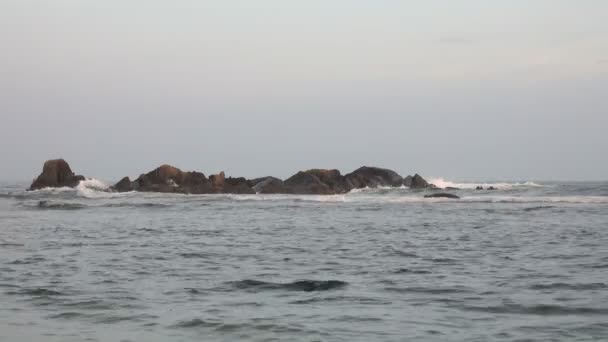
[(56, 173), (167, 178)]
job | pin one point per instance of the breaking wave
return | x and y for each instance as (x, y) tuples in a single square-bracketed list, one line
[(443, 183)]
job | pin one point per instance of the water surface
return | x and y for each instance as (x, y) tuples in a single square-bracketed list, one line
[(526, 262)]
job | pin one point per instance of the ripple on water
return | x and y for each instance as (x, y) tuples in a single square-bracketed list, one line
[(301, 285), (226, 327), (342, 299), (430, 290), (36, 292), (541, 309), (564, 286)]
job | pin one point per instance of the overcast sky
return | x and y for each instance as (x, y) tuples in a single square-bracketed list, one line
[(469, 89)]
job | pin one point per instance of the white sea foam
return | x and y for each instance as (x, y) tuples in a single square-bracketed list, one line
[(443, 183), (91, 187)]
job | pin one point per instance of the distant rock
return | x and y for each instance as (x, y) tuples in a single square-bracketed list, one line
[(56, 173), (166, 178), (492, 188), (267, 185), (479, 187), (442, 195), (372, 177)]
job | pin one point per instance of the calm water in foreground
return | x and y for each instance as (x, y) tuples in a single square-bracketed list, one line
[(528, 262)]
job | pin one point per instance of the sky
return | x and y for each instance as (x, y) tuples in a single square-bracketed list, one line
[(466, 90)]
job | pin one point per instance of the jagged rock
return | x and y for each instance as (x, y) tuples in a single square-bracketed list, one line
[(442, 195), (372, 177), (56, 173), (492, 188), (267, 185)]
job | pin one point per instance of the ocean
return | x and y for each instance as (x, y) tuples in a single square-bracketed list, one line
[(526, 262)]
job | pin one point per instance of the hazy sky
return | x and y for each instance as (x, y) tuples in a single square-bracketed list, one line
[(463, 89)]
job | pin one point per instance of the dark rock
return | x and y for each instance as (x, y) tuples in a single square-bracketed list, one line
[(332, 178), (267, 185), (167, 178), (56, 173), (419, 183), (253, 182), (442, 195), (372, 177), (479, 187), (218, 181), (407, 181), (306, 183), (492, 188), (237, 186), (123, 185)]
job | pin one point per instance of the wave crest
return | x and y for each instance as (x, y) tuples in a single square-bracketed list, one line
[(443, 183)]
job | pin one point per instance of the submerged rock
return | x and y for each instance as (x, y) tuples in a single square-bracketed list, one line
[(56, 173), (442, 195)]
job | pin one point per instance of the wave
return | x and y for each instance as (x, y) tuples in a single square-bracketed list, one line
[(443, 183), (574, 287), (542, 309), (60, 206), (301, 285)]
